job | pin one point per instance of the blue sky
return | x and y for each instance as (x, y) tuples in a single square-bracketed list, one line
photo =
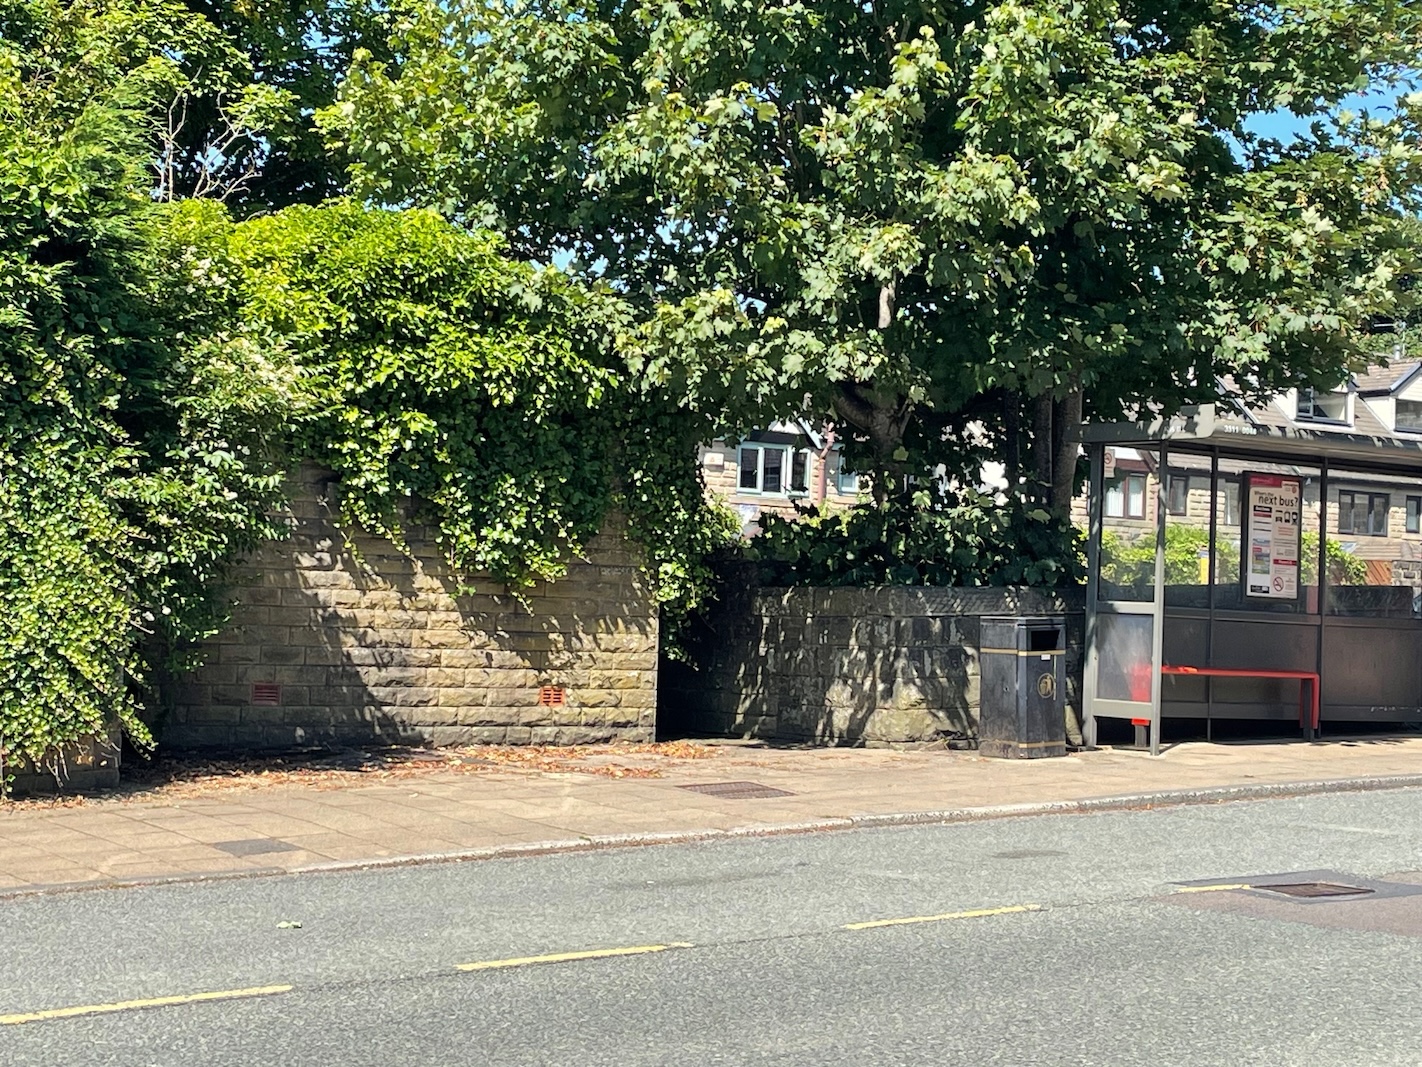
[(1283, 125)]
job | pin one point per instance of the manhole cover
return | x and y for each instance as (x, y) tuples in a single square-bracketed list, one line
[(1312, 890), (737, 790)]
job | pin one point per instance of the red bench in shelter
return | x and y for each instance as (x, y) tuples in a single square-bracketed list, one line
[(1308, 684)]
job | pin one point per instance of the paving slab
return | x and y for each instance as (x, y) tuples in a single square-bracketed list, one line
[(609, 795)]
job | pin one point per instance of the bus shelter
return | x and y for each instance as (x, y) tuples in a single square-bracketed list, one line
[(1239, 570)]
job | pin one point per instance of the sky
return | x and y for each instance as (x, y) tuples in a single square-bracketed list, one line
[(1283, 125)]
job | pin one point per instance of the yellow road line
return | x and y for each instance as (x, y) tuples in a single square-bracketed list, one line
[(152, 1002), (1213, 888), (564, 957), (977, 913)]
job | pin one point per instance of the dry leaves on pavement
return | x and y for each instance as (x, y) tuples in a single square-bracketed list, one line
[(187, 776)]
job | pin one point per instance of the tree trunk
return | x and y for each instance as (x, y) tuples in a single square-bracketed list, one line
[(883, 423), (1066, 426), (1042, 452), (1012, 447)]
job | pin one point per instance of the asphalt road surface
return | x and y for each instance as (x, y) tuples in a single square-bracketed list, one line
[(1110, 939)]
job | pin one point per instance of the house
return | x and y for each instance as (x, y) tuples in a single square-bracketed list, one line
[(777, 469)]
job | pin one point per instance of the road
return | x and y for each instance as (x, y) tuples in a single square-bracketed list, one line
[(1031, 941)]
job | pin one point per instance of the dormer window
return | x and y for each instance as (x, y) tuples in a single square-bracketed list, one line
[(1322, 407), (1409, 415)]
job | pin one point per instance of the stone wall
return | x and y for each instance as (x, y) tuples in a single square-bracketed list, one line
[(83, 766), (341, 638), (882, 666)]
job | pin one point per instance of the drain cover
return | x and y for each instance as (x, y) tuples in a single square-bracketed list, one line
[(1313, 890), (737, 790)]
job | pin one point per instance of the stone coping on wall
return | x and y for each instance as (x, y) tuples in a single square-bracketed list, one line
[(915, 601)]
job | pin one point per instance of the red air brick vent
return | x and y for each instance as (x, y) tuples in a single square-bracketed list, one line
[(268, 693)]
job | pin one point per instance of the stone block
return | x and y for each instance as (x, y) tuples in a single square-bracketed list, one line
[(404, 696), (523, 678), (225, 697), (283, 654), (191, 693), (582, 735), (256, 596), (601, 698), (487, 716), (306, 715), (239, 653), (629, 661), (197, 737), (296, 674), (632, 698), (615, 679), (466, 658), (518, 697), (438, 639), (463, 697), (330, 579), (340, 692), (627, 642)]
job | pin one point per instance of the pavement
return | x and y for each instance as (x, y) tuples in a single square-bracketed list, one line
[(463, 806)]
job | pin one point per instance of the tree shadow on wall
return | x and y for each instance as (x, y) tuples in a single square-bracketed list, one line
[(341, 638), (804, 667)]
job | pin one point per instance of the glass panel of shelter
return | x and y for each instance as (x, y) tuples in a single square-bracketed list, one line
[(1128, 526), (1374, 546), (1127, 500), (1233, 558)]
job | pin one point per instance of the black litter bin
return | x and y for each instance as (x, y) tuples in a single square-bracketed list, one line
[(1022, 686)]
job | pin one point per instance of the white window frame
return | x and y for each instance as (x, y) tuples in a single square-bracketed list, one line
[(846, 482), (1397, 416), (1118, 496), (1182, 482), (788, 455), (1229, 499), (1307, 408)]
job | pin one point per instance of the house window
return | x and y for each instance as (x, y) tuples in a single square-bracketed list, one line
[(1414, 514), (1409, 415), (846, 481), (774, 469), (1363, 514), (1328, 407), (800, 472), (1229, 496), (750, 468), (1125, 497), (1178, 501)]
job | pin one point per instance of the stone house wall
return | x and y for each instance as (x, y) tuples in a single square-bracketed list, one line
[(342, 638), (881, 666)]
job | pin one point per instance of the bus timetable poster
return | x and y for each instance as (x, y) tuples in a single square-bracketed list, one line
[(1271, 537)]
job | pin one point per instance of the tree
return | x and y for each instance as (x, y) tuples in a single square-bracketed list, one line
[(476, 395), (137, 435), (223, 92), (251, 122), (947, 228)]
